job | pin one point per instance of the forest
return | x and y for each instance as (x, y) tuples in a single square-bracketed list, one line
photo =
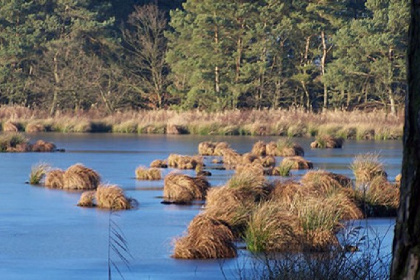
[(109, 55)]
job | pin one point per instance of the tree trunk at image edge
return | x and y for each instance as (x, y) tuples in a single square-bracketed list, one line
[(406, 247)]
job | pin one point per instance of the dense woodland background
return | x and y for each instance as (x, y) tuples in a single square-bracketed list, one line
[(211, 55)]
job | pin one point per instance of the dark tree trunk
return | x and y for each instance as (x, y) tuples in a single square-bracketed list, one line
[(406, 247)]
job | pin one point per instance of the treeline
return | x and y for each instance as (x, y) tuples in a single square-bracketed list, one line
[(211, 55)]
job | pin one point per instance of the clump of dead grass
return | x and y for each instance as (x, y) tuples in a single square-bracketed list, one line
[(43, 146), (366, 167), (184, 162), (327, 142), (54, 179), (284, 148), (143, 173), (159, 164), (207, 238), (87, 199), (79, 177), (111, 197), (182, 189), (297, 162)]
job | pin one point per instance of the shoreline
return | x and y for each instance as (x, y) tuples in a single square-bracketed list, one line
[(359, 125)]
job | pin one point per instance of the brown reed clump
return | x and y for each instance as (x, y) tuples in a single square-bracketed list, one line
[(259, 148), (268, 161), (366, 167), (271, 228), (54, 179), (79, 177), (10, 127), (284, 148), (35, 127), (231, 158), (14, 142), (250, 185), (111, 197), (43, 146), (207, 238), (230, 206), (297, 162), (220, 148), (158, 164), (87, 199), (180, 188), (184, 162), (327, 142), (323, 182), (378, 198), (285, 192), (206, 148), (253, 168), (143, 173)]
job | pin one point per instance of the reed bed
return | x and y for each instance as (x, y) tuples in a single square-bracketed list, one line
[(294, 123), (143, 173), (183, 189), (207, 238)]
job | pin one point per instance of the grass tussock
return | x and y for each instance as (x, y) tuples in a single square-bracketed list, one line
[(38, 173), (284, 148), (111, 197), (143, 173), (297, 162), (378, 198), (183, 189), (79, 177), (159, 164), (87, 199), (207, 238), (231, 158), (327, 142), (268, 161), (271, 228), (325, 182), (14, 142), (184, 162), (259, 149), (35, 127), (43, 146), (366, 167), (54, 179), (283, 169), (209, 148)]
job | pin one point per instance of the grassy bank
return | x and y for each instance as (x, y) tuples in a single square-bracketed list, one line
[(292, 123)]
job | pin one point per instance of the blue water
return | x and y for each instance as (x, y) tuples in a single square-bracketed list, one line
[(44, 235)]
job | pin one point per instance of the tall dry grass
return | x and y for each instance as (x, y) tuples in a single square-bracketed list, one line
[(181, 188), (349, 125), (207, 238)]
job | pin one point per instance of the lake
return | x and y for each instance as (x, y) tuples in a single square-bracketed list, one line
[(44, 235)]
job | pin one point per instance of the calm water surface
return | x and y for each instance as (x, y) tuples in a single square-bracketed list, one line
[(44, 235)]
